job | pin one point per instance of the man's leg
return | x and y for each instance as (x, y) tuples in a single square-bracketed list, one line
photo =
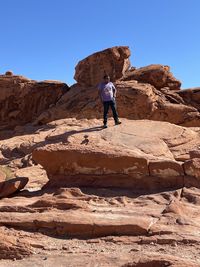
[(105, 112), (114, 111)]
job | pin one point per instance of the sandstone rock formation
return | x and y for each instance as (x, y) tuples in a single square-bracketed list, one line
[(191, 97), (134, 101), (127, 195), (22, 100), (154, 230), (112, 61), (157, 75), (137, 199), (138, 154), (11, 248)]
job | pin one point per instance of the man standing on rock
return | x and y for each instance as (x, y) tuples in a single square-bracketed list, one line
[(107, 93)]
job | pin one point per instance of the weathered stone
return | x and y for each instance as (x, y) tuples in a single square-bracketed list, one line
[(125, 187), (117, 156), (192, 167), (2, 176), (11, 186), (112, 61), (75, 162), (134, 101), (157, 75), (165, 168), (9, 73), (11, 248), (22, 100), (194, 153), (146, 228), (191, 97)]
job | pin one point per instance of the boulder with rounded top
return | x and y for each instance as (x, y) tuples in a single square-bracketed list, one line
[(157, 75), (112, 61)]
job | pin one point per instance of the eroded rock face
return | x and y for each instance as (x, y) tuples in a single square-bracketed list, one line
[(2, 176), (130, 190), (80, 150), (137, 154), (112, 61), (147, 229), (150, 92), (134, 101), (22, 100), (191, 97), (11, 248), (126, 193), (157, 75), (192, 167)]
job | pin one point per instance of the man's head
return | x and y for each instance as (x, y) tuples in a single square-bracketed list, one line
[(106, 78)]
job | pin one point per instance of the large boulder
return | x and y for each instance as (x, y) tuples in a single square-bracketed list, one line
[(157, 75), (22, 100), (112, 61)]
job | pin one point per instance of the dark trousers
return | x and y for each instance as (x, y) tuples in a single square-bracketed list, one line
[(106, 106)]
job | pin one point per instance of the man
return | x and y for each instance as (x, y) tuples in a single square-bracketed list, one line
[(107, 93)]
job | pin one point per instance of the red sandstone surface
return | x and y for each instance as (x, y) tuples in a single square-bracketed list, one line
[(75, 194)]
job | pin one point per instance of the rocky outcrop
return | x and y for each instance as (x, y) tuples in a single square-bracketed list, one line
[(157, 75), (192, 167), (82, 153), (22, 100), (134, 101), (127, 195), (112, 61), (191, 97), (126, 192), (148, 229), (138, 154), (150, 92)]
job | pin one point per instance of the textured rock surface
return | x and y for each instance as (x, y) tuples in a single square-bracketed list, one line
[(134, 101), (11, 248), (192, 169), (157, 75), (112, 61), (138, 154), (123, 154), (2, 176), (150, 92), (123, 196), (48, 225), (8, 187), (22, 100), (98, 224)]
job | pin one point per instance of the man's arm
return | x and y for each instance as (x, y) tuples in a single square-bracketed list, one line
[(99, 93), (114, 91)]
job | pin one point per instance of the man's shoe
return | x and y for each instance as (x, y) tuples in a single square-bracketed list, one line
[(117, 122), (105, 126)]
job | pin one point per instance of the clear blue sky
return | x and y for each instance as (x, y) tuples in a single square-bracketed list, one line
[(45, 39)]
